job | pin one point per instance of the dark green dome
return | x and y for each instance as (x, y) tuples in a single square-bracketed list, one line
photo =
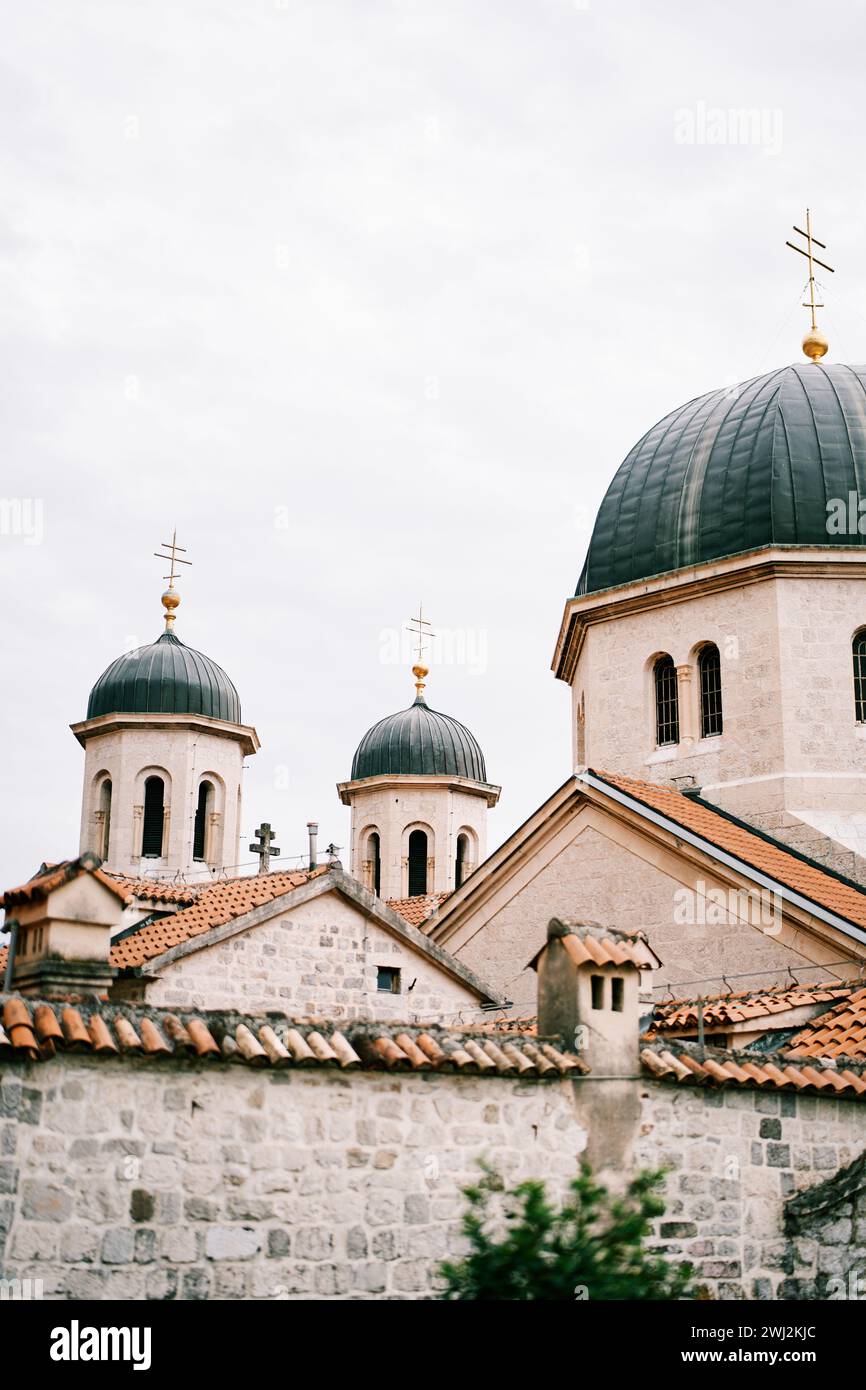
[(739, 469), (165, 678), (419, 740)]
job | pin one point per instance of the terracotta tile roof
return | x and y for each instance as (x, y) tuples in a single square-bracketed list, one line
[(417, 910), (37, 1032), (723, 1009), (807, 879), (839, 1033), (588, 943), (213, 906), (156, 890), (718, 1067), (52, 876), (525, 1023)]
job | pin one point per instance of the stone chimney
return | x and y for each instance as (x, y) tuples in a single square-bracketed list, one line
[(589, 995), (62, 921)]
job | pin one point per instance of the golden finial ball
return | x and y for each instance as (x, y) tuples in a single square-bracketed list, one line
[(170, 600), (815, 344), (419, 672)]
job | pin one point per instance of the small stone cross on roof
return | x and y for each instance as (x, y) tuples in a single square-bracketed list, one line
[(263, 847)]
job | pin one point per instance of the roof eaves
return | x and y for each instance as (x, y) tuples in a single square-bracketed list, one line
[(592, 779)]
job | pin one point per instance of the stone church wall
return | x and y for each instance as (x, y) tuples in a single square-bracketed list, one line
[(596, 878), (131, 1180), (322, 959), (125, 1180)]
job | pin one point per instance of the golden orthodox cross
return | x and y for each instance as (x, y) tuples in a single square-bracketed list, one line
[(814, 343), (419, 626), (170, 599)]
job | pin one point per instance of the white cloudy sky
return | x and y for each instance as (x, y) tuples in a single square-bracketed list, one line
[(408, 276)]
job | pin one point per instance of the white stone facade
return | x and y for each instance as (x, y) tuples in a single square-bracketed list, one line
[(593, 866), (792, 756), (128, 1180), (444, 808), (324, 957), (184, 752)]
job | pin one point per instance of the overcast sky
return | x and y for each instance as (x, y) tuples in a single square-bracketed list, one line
[(370, 300)]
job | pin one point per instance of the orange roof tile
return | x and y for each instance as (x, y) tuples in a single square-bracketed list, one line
[(52, 876), (724, 1068), (813, 883), (589, 943), (158, 890), (214, 905), (417, 910), (724, 1009), (841, 1032), (31, 1031)]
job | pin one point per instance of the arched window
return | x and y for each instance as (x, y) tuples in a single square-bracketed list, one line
[(154, 805), (201, 833), (859, 650), (104, 818), (374, 862), (417, 864), (461, 866), (710, 672), (667, 701)]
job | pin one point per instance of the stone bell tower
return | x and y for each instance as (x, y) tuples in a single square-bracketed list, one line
[(419, 796), (164, 752)]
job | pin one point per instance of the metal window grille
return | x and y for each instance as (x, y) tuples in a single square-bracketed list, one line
[(667, 702), (710, 668), (200, 827), (151, 841), (374, 852), (859, 648), (417, 864)]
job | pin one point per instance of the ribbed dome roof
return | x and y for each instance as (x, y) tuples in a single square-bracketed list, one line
[(738, 469), (165, 678), (419, 740)]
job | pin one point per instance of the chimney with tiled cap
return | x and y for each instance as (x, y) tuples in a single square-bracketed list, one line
[(63, 921), (589, 995)]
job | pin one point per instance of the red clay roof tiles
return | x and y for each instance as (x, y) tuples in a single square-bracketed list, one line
[(841, 1032), (52, 876), (417, 910), (213, 906), (722, 1068), (724, 1009), (773, 860), (32, 1032)]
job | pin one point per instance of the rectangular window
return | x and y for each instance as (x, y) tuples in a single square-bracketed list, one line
[(860, 678), (710, 669), (597, 985), (388, 979), (667, 702), (618, 994)]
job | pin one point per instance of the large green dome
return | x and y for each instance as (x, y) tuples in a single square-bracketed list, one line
[(419, 741), (165, 678), (739, 469)]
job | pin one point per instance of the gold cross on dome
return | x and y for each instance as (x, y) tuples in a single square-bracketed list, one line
[(170, 599), (419, 626), (814, 343)]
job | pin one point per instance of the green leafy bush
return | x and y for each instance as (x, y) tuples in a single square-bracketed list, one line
[(591, 1246)]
